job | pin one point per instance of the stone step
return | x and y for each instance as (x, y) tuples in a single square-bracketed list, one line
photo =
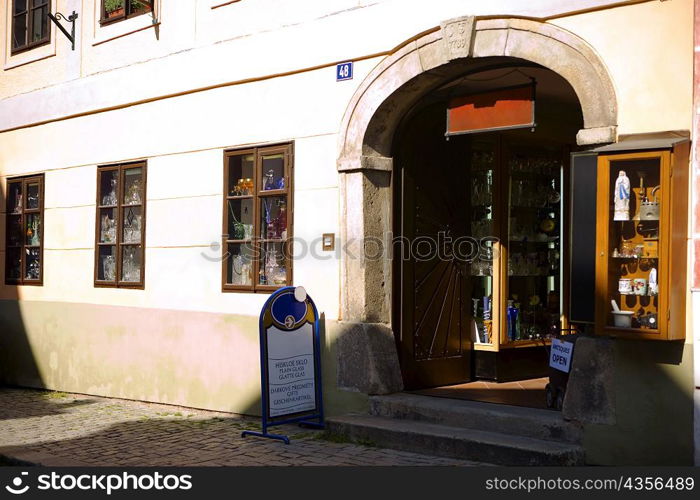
[(454, 442), (514, 420)]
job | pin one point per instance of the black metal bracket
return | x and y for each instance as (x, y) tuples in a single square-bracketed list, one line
[(71, 19)]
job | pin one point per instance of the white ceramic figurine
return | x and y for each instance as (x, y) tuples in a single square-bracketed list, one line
[(622, 197)]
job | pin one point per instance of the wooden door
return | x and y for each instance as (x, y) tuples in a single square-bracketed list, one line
[(432, 309)]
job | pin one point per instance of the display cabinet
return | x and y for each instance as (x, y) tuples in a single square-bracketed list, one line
[(517, 209), (257, 219), (641, 243)]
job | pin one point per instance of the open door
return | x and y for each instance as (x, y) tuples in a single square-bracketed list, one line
[(432, 309)]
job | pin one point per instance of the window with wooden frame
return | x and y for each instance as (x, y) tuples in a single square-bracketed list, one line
[(118, 10), (120, 226), (257, 219), (30, 24), (24, 242)]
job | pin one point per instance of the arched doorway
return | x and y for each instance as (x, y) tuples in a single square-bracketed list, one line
[(479, 280), (366, 163)]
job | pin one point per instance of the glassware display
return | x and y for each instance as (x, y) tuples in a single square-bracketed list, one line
[(256, 219), (240, 265), (109, 267), (483, 185), (272, 172), (24, 230), (133, 186), (633, 239), (33, 223), (16, 198), (33, 269), (273, 225), (108, 225), (131, 263), (120, 225), (107, 263), (32, 196), (533, 266), (241, 170), (109, 188), (273, 270), (132, 225), (240, 219)]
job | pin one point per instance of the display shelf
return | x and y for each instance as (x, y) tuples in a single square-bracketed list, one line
[(639, 214)]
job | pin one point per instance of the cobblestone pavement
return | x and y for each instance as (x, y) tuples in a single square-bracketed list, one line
[(58, 429)]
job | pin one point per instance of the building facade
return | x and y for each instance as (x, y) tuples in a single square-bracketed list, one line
[(169, 124)]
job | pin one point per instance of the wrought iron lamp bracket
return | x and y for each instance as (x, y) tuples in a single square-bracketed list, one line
[(71, 19)]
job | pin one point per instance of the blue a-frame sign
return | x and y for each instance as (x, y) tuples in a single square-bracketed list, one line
[(290, 362)]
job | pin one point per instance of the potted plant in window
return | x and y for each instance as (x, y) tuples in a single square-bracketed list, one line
[(114, 9)]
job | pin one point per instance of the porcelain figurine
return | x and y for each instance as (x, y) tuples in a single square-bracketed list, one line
[(622, 197)]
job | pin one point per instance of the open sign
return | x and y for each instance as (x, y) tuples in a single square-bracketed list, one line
[(560, 355)]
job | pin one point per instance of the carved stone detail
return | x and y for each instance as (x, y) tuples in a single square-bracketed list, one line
[(458, 34)]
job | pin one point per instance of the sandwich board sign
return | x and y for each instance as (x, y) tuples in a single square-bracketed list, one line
[(290, 364)]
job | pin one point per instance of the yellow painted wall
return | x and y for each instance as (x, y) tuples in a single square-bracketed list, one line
[(648, 50)]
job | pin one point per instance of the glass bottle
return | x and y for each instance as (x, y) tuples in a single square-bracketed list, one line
[(271, 266), (510, 316)]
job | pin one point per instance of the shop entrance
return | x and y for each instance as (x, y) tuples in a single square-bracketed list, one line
[(480, 276)]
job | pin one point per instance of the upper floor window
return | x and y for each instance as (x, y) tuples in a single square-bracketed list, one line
[(117, 10), (30, 24), (24, 242)]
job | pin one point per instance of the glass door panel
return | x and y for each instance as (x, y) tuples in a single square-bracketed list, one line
[(483, 184), (533, 307)]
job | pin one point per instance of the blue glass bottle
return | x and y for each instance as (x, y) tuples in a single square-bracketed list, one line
[(510, 317)]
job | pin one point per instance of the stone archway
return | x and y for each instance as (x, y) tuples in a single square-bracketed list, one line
[(365, 161)]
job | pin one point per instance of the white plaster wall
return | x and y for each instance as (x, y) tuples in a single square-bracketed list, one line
[(195, 49), (183, 140), (183, 137)]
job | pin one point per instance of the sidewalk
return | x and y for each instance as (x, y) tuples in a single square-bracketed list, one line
[(58, 429)]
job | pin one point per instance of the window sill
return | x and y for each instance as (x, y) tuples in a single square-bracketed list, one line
[(27, 283), (100, 42), (31, 55), (219, 3), (118, 29)]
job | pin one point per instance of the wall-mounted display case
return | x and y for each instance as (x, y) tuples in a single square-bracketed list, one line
[(641, 243)]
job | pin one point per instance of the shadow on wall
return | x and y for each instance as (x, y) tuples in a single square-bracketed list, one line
[(187, 358), (635, 398), (652, 387)]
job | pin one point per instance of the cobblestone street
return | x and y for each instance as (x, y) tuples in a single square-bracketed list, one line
[(58, 429)]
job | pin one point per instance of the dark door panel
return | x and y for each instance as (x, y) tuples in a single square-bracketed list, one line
[(434, 326)]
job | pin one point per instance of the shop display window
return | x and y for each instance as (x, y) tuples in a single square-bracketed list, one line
[(120, 226), (257, 219), (24, 237)]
